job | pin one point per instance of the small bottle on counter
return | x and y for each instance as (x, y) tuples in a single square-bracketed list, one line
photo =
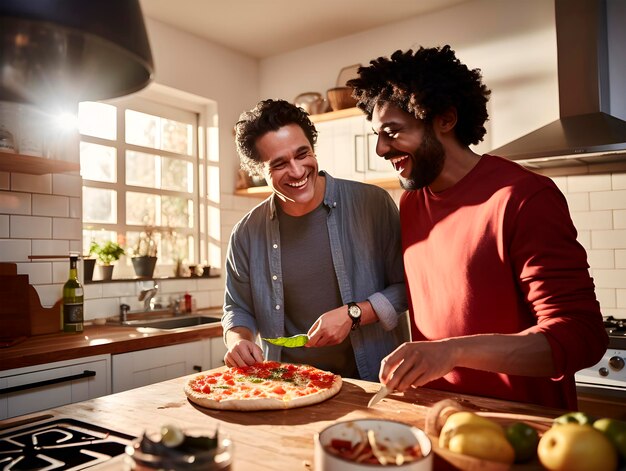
[(187, 303), (73, 300)]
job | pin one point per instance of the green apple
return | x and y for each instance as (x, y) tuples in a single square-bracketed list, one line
[(524, 440), (573, 418), (575, 447), (615, 430)]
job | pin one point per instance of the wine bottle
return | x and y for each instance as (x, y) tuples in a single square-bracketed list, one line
[(73, 300)]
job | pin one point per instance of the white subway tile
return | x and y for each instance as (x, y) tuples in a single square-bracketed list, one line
[(68, 185), (14, 250), (618, 181), (61, 270), (607, 200), (49, 205), (577, 201), (31, 183), (584, 238), (76, 246), (615, 239), (216, 298), (592, 220), (49, 294), (619, 219), (177, 286), (118, 289), (609, 278), (5, 181), (601, 258), (606, 297), (67, 228), (93, 290), (15, 202), (621, 298), (4, 226), (30, 227), (616, 313), (39, 273), (76, 208), (578, 183), (103, 307), (620, 260), (50, 247)]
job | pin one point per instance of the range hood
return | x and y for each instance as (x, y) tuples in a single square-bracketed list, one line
[(590, 39)]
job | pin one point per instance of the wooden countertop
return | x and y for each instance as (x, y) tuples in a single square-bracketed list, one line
[(270, 440), (97, 340)]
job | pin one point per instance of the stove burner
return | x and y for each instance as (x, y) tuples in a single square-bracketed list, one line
[(615, 327), (64, 444)]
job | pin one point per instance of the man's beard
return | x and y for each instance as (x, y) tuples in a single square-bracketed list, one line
[(427, 162)]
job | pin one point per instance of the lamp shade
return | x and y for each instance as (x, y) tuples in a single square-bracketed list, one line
[(72, 50)]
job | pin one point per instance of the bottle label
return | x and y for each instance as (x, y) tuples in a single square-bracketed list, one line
[(73, 313)]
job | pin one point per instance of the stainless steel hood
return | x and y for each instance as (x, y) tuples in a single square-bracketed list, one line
[(591, 46)]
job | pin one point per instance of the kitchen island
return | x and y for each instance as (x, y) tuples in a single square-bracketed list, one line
[(267, 440)]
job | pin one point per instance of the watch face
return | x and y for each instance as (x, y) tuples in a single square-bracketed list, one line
[(354, 311)]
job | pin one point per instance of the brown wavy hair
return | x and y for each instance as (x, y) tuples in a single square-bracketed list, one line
[(267, 115)]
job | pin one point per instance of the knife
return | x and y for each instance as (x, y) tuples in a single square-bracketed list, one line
[(382, 392)]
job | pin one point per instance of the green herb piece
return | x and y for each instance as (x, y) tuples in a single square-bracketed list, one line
[(296, 341)]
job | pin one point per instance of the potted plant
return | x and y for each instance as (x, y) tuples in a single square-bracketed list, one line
[(106, 253), (145, 253), (89, 264)]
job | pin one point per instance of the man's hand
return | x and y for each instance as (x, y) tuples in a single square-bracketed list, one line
[(331, 328), (242, 350), (415, 364)]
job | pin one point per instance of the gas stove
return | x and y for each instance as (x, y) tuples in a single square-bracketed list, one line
[(62, 444), (609, 374)]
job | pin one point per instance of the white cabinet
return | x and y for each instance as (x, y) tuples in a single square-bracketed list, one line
[(36, 388), (143, 367), (346, 148)]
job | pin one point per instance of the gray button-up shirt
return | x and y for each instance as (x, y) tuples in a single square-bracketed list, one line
[(364, 232)]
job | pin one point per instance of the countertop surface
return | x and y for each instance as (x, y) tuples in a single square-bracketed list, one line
[(274, 440), (98, 340)]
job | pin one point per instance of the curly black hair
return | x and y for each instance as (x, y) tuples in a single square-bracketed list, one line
[(267, 115), (425, 84)]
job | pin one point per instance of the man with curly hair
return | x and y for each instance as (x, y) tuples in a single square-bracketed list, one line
[(501, 301), (320, 256)]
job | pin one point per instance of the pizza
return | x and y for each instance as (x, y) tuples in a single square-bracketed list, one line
[(262, 386)]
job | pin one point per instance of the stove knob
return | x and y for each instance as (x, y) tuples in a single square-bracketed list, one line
[(616, 363), (603, 371)]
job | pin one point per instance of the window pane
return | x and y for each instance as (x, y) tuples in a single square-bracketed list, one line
[(141, 169), (174, 247), (99, 205), (132, 240), (176, 211), (142, 129), (177, 175), (176, 136), (141, 208), (99, 235), (97, 119), (98, 162)]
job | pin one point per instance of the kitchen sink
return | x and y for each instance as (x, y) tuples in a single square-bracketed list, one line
[(173, 322)]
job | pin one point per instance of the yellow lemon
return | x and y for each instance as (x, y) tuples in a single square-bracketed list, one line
[(482, 442), (462, 418)]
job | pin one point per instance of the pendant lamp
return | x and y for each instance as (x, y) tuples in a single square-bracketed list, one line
[(66, 51)]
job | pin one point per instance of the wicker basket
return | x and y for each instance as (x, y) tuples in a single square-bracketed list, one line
[(340, 98)]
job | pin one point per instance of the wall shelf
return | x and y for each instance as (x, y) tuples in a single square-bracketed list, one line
[(19, 163)]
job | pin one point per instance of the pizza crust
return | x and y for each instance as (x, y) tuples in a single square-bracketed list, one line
[(263, 403)]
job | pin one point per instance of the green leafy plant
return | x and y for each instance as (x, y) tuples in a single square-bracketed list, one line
[(107, 252)]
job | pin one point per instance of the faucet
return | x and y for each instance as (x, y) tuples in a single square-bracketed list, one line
[(147, 295)]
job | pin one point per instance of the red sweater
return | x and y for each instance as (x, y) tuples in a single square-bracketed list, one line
[(497, 253)]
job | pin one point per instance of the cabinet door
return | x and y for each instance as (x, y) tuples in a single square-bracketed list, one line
[(52, 385), (136, 369), (218, 350)]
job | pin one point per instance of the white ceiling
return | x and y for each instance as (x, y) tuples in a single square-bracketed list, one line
[(263, 28)]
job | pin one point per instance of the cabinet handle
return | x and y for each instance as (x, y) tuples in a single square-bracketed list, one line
[(197, 368), (40, 384)]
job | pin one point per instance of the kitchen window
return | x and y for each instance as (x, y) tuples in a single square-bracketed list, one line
[(143, 168)]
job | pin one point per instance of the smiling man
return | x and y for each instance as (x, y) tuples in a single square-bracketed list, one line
[(501, 300), (320, 256)]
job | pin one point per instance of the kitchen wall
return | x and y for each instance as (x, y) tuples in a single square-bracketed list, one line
[(512, 42)]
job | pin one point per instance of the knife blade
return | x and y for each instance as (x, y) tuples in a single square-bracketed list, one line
[(382, 392)]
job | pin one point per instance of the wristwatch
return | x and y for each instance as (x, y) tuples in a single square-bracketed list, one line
[(354, 311)]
